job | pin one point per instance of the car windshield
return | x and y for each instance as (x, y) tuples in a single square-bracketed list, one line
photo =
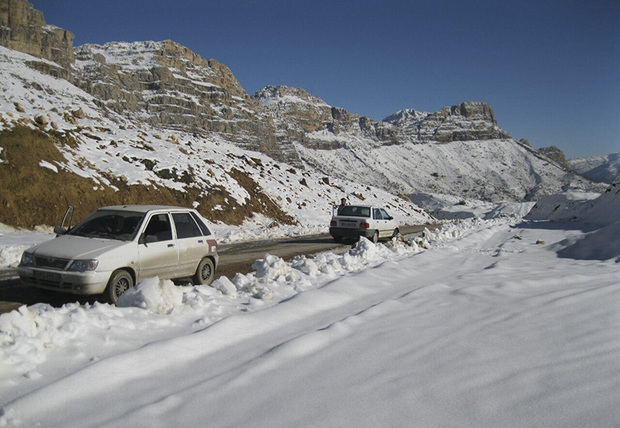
[(107, 224), (354, 211)]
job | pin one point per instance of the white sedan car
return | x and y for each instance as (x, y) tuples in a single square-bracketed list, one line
[(353, 221), (116, 247)]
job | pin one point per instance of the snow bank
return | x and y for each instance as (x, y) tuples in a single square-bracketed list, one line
[(449, 207), (577, 207), (153, 294), (598, 214), (602, 244), (31, 334), (486, 328), (13, 242)]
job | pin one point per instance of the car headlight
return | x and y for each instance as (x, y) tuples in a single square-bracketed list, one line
[(84, 265), (27, 259)]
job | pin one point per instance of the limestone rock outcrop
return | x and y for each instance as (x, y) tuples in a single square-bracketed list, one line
[(307, 119), (23, 28), (555, 154), (467, 121), (167, 84)]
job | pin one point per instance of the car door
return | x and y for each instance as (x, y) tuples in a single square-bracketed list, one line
[(379, 221), (192, 245), (157, 248), (390, 223)]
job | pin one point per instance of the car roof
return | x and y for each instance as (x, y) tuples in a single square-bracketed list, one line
[(143, 208)]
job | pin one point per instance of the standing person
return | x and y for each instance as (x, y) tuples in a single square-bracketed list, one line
[(343, 203)]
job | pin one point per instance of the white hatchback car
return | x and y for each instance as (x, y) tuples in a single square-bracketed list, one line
[(353, 221), (116, 247)]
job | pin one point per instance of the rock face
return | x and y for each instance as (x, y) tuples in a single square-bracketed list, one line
[(23, 28), (167, 87), (311, 122), (166, 84), (467, 121), (555, 154)]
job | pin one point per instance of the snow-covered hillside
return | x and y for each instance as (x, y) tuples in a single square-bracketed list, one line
[(519, 328), (106, 146), (155, 122), (459, 151), (605, 169), (131, 126)]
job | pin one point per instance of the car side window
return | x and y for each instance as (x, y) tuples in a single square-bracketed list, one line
[(203, 227), (185, 225), (377, 214), (385, 214), (159, 227)]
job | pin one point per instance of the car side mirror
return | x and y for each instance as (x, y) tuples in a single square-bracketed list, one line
[(59, 230)]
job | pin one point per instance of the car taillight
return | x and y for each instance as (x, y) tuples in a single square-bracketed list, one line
[(364, 225), (333, 223)]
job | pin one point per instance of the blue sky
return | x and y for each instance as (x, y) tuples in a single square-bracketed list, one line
[(549, 68)]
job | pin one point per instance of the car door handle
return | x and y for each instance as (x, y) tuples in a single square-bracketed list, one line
[(170, 245), (200, 241)]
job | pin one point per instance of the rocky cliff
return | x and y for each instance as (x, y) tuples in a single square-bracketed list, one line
[(308, 120), (23, 29), (555, 154), (467, 121), (167, 87), (166, 84)]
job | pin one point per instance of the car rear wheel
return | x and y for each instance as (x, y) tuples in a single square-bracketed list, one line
[(204, 273), (375, 237), (119, 282)]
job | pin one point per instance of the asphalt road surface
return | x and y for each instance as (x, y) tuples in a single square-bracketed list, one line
[(234, 258)]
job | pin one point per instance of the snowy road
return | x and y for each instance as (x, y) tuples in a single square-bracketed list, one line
[(488, 328), (234, 258)]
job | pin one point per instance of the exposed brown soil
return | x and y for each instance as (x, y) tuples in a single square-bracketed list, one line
[(32, 195)]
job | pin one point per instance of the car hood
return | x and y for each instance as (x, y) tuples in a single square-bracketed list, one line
[(76, 247)]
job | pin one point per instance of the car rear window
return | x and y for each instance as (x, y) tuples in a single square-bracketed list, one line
[(354, 211)]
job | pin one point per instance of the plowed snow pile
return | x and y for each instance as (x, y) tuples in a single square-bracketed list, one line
[(484, 323)]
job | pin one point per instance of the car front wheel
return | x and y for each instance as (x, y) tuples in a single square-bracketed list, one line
[(204, 273), (396, 233), (119, 282)]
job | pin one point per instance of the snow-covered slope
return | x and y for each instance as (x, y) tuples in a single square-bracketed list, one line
[(113, 152), (153, 122), (479, 324), (458, 151), (605, 169)]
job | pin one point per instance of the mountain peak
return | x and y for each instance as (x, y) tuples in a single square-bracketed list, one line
[(286, 94), (470, 120)]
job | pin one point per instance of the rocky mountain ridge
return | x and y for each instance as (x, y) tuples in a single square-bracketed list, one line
[(111, 99), (605, 169), (465, 122), (166, 84), (23, 29)]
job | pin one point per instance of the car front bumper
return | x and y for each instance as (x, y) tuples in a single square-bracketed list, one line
[(68, 282)]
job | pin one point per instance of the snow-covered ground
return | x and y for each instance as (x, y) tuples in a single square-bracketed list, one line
[(483, 323)]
